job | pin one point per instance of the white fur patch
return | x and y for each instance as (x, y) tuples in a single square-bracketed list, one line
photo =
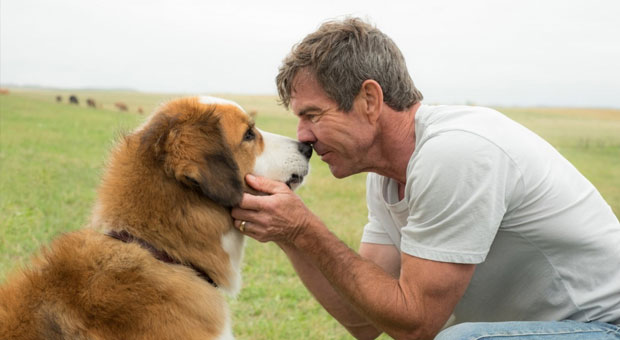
[(227, 330), (215, 100), (233, 243), (280, 159)]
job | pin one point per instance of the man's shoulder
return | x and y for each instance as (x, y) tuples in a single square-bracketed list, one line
[(484, 122), (438, 109), (433, 114)]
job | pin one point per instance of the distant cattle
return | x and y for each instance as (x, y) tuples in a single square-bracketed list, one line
[(4, 91), (140, 111), (91, 103), (73, 100), (121, 106), (59, 99)]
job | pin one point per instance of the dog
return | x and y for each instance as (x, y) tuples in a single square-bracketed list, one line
[(121, 106), (91, 103), (160, 247)]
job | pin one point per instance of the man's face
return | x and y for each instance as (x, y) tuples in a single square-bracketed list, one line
[(340, 138)]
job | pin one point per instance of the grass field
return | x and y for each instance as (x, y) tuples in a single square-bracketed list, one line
[(51, 156)]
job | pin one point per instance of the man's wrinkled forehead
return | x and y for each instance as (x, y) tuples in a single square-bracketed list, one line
[(303, 76)]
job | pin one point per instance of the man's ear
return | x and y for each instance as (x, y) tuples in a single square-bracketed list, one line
[(371, 99)]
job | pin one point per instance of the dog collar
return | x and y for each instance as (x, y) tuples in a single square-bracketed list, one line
[(161, 255)]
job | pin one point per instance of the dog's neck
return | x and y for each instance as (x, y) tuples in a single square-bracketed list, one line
[(161, 255)]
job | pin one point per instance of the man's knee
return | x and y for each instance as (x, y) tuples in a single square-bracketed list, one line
[(462, 331), (567, 330)]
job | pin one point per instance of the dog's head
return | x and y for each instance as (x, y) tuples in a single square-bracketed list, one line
[(210, 144), (171, 181)]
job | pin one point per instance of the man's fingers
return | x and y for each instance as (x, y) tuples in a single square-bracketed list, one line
[(244, 214), (266, 185), (251, 202)]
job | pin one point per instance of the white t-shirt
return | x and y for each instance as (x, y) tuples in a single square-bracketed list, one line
[(483, 189)]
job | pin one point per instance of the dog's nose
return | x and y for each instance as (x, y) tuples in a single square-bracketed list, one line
[(305, 149)]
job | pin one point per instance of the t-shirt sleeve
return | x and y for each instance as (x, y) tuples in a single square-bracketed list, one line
[(374, 231), (458, 185)]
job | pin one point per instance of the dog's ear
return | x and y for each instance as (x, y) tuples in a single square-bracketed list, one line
[(155, 135), (217, 176), (194, 153)]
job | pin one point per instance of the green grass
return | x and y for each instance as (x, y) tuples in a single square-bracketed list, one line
[(51, 156)]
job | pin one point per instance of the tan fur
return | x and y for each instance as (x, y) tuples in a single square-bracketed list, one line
[(171, 183)]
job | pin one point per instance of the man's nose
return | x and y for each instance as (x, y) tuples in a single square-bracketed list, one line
[(304, 133)]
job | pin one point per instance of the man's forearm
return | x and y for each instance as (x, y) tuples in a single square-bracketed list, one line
[(363, 285), (325, 294), (402, 295)]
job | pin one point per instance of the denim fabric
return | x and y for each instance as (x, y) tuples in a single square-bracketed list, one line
[(531, 330)]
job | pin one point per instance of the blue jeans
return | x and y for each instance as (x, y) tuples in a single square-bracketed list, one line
[(531, 330)]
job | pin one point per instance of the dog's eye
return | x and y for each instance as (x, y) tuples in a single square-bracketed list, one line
[(249, 135)]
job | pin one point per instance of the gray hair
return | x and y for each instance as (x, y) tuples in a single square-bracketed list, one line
[(344, 54)]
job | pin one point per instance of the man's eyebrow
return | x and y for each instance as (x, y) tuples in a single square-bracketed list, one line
[(307, 110)]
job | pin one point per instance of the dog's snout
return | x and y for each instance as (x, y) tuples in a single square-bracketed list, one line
[(305, 149)]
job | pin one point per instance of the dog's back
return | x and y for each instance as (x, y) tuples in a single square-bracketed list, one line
[(90, 286)]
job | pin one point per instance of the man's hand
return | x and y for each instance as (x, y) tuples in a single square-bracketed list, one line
[(280, 216)]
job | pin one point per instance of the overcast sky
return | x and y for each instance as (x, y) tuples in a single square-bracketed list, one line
[(491, 52)]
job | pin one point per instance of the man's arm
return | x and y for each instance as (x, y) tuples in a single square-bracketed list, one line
[(386, 256), (414, 305)]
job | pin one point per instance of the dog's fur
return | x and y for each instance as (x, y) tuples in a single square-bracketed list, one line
[(171, 184)]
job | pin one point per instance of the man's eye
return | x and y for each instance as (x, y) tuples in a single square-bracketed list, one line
[(249, 136), (315, 117)]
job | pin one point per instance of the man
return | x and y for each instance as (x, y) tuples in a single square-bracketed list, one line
[(470, 213)]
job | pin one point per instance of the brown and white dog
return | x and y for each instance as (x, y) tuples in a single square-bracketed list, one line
[(162, 246)]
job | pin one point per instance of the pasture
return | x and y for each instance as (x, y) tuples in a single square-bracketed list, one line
[(51, 156)]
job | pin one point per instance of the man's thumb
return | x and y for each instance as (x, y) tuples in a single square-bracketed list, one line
[(265, 185)]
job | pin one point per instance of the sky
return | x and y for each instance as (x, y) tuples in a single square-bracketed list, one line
[(486, 52)]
